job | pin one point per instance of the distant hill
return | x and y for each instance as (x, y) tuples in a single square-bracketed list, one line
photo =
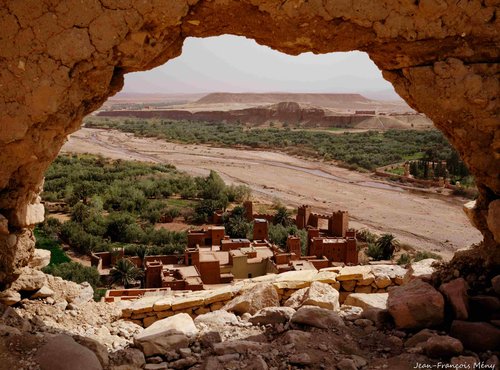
[(320, 100)]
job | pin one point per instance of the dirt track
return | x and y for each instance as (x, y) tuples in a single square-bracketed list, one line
[(426, 221)]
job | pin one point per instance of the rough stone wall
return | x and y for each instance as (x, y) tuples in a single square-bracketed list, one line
[(61, 59)]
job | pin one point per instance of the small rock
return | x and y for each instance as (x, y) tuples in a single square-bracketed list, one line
[(185, 352), (363, 323), (300, 359), (272, 315), (160, 366), (6, 330), (347, 364), (208, 339), (228, 358), (318, 317), (166, 334), (464, 362), (217, 318), (442, 346), (295, 337), (10, 297), (359, 361), (419, 338), (154, 360)]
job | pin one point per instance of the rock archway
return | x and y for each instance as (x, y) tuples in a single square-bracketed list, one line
[(62, 59)]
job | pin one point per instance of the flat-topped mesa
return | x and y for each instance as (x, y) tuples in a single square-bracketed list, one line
[(61, 62)]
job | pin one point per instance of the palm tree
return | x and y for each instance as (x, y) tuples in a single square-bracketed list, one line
[(387, 244), (141, 251), (126, 273), (282, 216)]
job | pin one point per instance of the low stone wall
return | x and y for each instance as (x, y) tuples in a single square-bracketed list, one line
[(347, 280)]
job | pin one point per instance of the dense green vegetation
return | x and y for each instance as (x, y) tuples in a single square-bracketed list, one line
[(436, 164), (117, 203), (366, 150), (43, 241)]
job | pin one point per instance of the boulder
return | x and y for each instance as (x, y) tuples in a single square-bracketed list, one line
[(99, 349), (442, 346), (40, 259), (484, 308), (29, 280), (9, 297), (317, 317), (254, 299), (272, 315), (415, 305), (61, 352), (317, 294), (476, 336), (456, 294), (422, 270), (167, 334)]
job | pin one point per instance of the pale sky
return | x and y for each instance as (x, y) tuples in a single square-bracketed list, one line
[(236, 64)]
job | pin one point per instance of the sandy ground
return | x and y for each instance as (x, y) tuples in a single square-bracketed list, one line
[(427, 221)]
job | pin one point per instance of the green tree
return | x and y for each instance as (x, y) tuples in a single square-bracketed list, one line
[(212, 187), (125, 273)]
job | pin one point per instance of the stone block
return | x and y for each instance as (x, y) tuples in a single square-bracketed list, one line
[(183, 303), (354, 273)]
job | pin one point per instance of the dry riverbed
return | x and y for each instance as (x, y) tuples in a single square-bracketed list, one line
[(427, 221)]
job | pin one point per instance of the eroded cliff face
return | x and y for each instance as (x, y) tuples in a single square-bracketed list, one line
[(62, 59)]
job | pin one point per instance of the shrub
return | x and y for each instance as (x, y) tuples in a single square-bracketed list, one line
[(365, 235), (374, 252), (404, 259), (76, 272), (424, 255)]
